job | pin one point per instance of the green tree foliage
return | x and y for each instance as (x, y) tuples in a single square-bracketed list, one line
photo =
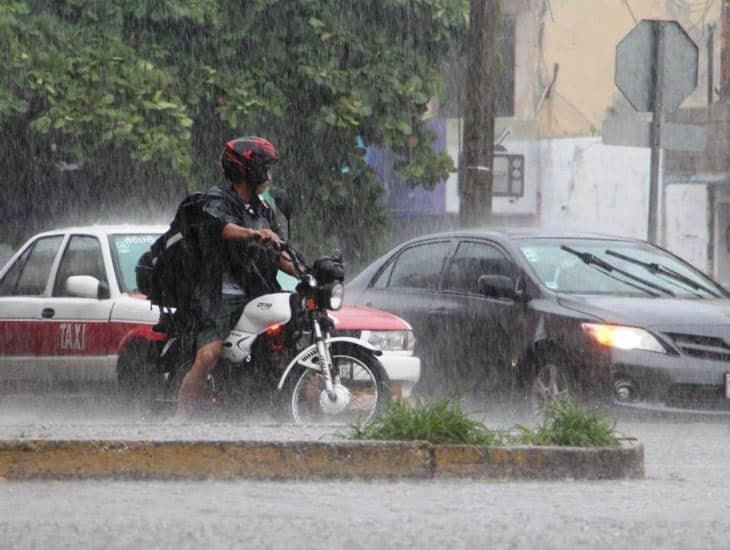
[(141, 94)]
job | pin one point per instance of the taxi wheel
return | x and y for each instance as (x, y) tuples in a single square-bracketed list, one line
[(137, 378)]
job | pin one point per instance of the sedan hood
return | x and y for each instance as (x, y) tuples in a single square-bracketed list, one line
[(660, 313), (366, 318)]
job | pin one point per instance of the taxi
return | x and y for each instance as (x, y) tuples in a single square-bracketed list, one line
[(70, 313)]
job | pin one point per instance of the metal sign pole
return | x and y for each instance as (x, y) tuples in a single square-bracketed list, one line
[(656, 69), (656, 128)]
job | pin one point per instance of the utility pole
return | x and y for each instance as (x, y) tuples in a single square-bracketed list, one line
[(479, 107), (710, 63), (725, 50)]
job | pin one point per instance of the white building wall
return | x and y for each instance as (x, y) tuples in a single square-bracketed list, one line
[(687, 232), (588, 186), (585, 185)]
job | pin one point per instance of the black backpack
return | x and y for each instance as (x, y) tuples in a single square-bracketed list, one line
[(168, 272)]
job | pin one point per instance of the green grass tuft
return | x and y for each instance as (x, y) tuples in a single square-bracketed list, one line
[(441, 422), (568, 424)]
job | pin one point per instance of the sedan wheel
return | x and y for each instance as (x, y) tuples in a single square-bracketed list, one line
[(552, 383)]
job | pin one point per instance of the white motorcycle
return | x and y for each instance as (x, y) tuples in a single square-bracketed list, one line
[(282, 350)]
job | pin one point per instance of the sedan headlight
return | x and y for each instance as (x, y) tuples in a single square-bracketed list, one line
[(621, 337), (390, 340)]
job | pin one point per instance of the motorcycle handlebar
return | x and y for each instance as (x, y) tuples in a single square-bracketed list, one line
[(296, 259), (305, 272)]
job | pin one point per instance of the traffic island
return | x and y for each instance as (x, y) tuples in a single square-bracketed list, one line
[(626, 461), (94, 459)]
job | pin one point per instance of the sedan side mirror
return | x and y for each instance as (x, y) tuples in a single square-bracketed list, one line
[(497, 286), (86, 286)]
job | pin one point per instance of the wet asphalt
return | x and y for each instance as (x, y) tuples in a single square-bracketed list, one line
[(684, 502)]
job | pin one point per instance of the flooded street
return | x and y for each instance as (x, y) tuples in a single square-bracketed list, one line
[(667, 513), (684, 502)]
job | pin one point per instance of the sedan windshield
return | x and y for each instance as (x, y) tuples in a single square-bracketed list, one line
[(126, 250), (623, 268)]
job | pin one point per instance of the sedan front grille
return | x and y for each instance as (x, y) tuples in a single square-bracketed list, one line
[(703, 347)]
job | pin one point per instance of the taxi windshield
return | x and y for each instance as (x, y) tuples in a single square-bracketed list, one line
[(126, 250), (614, 267), (286, 281)]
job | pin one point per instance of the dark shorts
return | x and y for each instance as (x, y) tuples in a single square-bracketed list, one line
[(228, 315)]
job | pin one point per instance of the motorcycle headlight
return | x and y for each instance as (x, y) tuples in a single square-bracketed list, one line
[(390, 340), (336, 296), (621, 337)]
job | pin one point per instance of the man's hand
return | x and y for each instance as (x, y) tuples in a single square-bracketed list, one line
[(286, 264), (268, 238)]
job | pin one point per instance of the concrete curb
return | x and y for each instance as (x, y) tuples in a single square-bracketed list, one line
[(624, 462), (42, 459)]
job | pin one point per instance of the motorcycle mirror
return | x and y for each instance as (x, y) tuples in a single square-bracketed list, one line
[(283, 204)]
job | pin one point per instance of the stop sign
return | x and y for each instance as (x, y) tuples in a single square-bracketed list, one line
[(636, 65)]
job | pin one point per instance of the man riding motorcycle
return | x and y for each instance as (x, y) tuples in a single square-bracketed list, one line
[(239, 242)]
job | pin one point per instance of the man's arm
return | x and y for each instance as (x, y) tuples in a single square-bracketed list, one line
[(286, 265), (267, 237), (232, 231)]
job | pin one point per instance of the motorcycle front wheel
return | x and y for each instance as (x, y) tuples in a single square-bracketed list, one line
[(361, 389)]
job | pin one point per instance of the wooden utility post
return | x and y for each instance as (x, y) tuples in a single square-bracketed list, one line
[(478, 139)]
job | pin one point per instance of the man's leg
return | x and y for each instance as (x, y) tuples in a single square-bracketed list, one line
[(193, 385)]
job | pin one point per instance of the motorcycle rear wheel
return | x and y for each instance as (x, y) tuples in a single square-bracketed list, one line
[(361, 384)]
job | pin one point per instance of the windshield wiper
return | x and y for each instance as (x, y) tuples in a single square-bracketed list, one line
[(592, 259), (654, 268)]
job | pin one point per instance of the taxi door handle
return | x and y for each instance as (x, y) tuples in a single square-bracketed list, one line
[(48, 312)]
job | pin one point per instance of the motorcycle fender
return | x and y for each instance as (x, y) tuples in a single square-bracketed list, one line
[(307, 355)]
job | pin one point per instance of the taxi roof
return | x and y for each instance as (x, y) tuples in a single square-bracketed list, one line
[(107, 229)]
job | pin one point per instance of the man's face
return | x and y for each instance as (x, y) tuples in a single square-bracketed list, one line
[(264, 185)]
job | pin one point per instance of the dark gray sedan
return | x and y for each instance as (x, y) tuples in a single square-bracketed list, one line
[(557, 314)]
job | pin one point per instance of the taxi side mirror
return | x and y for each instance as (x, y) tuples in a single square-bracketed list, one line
[(86, 286)]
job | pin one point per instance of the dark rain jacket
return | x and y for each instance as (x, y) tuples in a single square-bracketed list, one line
[(253, 267)]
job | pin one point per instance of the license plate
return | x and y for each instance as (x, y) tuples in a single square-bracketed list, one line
[(727, 385)]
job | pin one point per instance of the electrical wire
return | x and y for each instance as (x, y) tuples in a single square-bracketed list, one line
[(695, 21), (631, 12)]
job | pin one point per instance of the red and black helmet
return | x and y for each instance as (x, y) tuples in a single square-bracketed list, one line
[(248, 159)]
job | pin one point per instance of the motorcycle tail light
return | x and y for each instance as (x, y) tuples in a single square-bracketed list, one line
[(276, 337)]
